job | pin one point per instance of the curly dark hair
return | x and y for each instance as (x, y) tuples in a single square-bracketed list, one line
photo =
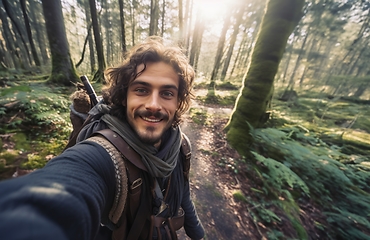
[(151, 51)]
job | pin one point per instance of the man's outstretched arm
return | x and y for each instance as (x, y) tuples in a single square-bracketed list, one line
[(64, 200)]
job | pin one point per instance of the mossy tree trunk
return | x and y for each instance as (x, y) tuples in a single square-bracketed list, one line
[(63, 71), (280, 19)]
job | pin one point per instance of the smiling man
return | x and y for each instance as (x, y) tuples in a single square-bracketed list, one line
[(93, 190), (152, 100)]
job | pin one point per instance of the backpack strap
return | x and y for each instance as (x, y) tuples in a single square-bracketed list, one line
[(123, 147), (186, 151), (121, 177)]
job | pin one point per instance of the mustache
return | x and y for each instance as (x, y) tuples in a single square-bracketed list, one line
[(147, 114)]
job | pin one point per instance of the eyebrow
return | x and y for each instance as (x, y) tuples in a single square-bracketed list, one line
[(167, 86)]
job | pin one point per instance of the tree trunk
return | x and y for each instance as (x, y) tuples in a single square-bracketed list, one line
[(279, 21), (181, 24), (133, 21), (239, 18), (63, 71), (89, 36), (36, 7), (154, 17), (197, 41), (123, 29), (99, 75), (239, 53), (163, 18), (297, 63), (9, 42), (189, 13), (29, 33), (108, 36), (220, 48), (16, 26)]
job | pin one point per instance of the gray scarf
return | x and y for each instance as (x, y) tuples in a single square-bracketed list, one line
[(159, 163)]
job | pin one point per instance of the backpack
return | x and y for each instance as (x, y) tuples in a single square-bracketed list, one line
[(79, 117)]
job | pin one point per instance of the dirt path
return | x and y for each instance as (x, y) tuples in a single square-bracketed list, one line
[(212, 188)]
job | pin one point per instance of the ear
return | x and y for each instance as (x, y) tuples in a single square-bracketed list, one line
[(124, 102)]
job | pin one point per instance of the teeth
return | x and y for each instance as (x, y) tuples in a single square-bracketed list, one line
[(151, 120)]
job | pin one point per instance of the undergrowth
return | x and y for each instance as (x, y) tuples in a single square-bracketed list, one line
[(35, 118), (294, 164)]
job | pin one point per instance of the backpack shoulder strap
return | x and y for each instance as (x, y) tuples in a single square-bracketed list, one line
[(121, 177), (123, 147), (186, 151), (133, 165)]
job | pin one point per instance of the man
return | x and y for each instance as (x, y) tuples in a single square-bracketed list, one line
[(86, 193)]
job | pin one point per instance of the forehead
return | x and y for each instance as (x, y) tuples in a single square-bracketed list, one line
[(157, 73)]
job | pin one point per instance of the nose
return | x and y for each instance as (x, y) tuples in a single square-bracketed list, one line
[(153, 104)]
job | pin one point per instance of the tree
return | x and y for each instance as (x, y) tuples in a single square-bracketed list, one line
[(86, 6), (63, 71), (99, 75), (37, 19), (123, 29), (220, 48), (17, 30), (154, 17), (197, 41), (29, 33), (238, 21), (279, 21)]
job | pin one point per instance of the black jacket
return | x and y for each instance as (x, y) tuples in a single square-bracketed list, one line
[(68, 198)]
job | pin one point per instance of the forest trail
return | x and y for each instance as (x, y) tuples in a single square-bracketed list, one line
[(211, 187)]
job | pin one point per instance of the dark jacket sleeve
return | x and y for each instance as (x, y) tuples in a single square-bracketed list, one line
[(63, 200), (192, 224)]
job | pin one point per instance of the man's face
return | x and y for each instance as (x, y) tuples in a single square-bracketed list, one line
[(152, 100)]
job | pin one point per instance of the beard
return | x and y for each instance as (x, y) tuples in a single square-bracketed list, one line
[(150, 134)]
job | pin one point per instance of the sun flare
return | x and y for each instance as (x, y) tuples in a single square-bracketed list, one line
[(212, 9)]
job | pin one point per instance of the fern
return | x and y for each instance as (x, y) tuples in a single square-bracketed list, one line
[(293, 159), (278, 175)]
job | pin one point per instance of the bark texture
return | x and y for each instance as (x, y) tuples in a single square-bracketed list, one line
[(280, 19)]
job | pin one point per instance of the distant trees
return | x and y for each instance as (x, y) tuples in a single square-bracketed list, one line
[(328, 49)]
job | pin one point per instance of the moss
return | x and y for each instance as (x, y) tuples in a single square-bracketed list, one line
[(9, 157), (227, 86), (21, 141), (199, 116), (14, 89), (239, 196), (34, 162)]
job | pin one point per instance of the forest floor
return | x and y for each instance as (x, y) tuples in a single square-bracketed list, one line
[(213, 185)]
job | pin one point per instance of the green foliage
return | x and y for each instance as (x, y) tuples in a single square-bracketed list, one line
[(21, 141), (227, 86), (9, 157), (199, 116), (275, 235), (279, 176), (34, 162), (14, 90), (239, 196), (33, 105), (293, 162)]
